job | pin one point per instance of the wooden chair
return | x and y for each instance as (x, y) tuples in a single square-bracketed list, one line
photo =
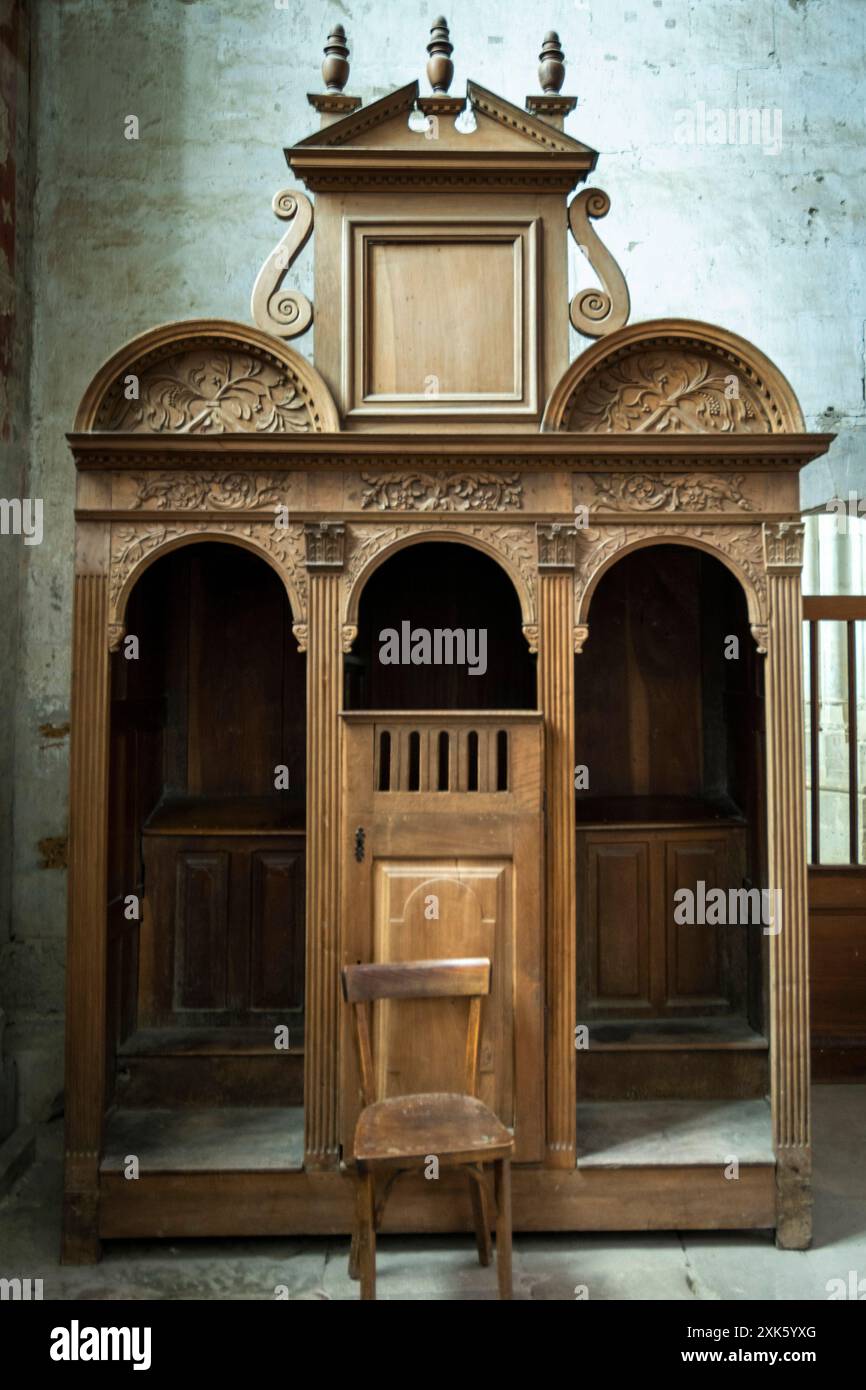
[(397, 1135)]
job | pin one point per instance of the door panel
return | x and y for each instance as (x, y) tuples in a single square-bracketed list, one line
[(460, 834)]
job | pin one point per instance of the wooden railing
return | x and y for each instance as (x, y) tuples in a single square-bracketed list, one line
[(818, 610), (444, 751)]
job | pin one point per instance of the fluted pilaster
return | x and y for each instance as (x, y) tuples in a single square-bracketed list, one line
[(789, 947), (87, 918), (556, 698), (324, 697)]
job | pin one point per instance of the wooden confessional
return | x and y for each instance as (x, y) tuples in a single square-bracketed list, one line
[(258, 797)]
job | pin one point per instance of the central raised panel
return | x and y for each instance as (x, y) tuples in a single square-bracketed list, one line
[(418, 293), (440, 316)]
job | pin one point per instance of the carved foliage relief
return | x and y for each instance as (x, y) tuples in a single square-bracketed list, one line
[(670, 389), (683, 492), (208, 390), (442, 492), (201, 489)]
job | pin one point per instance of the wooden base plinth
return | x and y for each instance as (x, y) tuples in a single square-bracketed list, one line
[(281, 1204)]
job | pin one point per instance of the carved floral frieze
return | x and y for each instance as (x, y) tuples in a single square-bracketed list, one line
[(679, 492), (198, 491), (442, 492)]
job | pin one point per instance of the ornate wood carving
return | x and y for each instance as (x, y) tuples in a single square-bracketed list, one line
[(134, 546), (207, 376), (200, 490), (673, 376), (595, 313), (284, 312), (740, 547), (789, 947), (325, 545), (368, 545), (556, 546), (209, 392), (442, 492), (677, 492)]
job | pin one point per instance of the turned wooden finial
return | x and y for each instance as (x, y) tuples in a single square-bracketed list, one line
[(335, 68), (551, 63), (440, 69)]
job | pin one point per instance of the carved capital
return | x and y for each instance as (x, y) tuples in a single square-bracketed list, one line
[(326, 542), (783, 546), (555, 546)]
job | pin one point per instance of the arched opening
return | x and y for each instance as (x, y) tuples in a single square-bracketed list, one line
[(439, 627), (672, 936), (206, 856)]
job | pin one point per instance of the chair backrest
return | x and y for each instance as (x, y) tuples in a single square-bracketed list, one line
[(416, 979)]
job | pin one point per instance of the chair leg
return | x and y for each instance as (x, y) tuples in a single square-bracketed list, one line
[(354, 1262), (367, 1235), (478, 1196), (503, 1226)]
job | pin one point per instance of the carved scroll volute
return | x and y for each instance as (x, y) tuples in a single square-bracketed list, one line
[(285, 313), (597, 312)]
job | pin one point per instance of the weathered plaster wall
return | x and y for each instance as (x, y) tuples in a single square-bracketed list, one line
[(177, 223), (15, 321)]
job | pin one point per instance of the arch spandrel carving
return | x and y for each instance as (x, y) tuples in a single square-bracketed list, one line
[(207, 376), (368, 546), (135, 547), (739, 548), (673, 376)]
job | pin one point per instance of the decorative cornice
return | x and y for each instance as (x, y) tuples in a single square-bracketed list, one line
[(329, 451)]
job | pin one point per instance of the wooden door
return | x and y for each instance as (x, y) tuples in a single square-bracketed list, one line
[(443, 843)]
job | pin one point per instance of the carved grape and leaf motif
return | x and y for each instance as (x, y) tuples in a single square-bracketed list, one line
[(442, 492), (207, 391), (689, 492), (199, 490), (668, 391)]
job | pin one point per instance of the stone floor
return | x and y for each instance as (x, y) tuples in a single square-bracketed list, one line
[(676, 1265)]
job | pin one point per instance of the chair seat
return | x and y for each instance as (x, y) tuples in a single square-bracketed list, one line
[(448, 1125)]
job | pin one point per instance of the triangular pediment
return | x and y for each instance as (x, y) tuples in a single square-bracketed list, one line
[(377, 137)]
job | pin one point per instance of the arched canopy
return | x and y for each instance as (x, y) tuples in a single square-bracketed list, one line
[(516, 566), (673, 376), (136, 554), (733, 556), (206, 376)]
